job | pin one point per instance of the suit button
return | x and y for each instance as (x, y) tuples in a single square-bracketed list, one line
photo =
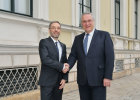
[(101, 66)]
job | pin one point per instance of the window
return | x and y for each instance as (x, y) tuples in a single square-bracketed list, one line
[(18, 80), (85, 7), (117, 17), (136, 19), (23, 7)]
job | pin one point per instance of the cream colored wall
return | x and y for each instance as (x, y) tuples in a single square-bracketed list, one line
[(130, 19), (105, 15), (65, 37), (61, 10)]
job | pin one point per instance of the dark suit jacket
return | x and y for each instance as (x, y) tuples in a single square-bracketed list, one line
[(51, 68), (99, 61)]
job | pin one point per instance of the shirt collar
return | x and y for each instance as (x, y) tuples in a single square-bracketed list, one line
[(91, 33), (54, 40)]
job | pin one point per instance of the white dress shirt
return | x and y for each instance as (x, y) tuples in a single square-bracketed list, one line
[(59, 48), (89, 38)]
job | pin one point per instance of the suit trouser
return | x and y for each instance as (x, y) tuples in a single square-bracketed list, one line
[(92, 92), (51, 93)]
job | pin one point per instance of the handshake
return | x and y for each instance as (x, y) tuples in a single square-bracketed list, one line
[(65, 68)]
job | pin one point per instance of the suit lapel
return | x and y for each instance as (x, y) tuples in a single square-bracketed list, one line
[(81, 42), (93, 41)]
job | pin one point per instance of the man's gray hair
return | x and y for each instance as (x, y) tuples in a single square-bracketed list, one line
[(87, 14)]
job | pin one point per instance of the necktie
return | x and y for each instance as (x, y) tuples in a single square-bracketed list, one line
[(57, 48), (85, 43)]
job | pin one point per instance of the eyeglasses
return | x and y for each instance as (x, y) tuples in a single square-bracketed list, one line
[(55, 28), (87, 21)]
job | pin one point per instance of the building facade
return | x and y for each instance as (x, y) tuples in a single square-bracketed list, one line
[(24, 22)]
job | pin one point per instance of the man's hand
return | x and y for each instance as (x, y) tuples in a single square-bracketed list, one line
[(107, 82), (62, 84), (66, 68)]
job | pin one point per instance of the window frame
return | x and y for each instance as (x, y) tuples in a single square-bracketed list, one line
[(117, 19), (82, 6), (12, 10)]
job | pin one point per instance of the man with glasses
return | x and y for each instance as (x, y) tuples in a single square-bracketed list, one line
[(53, 68), (94, 53)]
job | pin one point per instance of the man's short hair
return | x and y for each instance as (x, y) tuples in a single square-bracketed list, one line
[(86, 14), (54, 22)]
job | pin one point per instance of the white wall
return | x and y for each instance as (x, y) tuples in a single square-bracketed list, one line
[(12, 32), (41, 9), (123, 17)]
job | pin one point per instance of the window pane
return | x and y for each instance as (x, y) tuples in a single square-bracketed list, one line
[(86, 10), (117, 17), (80, 9), (80, 14), (87, 2), (117, 10), (22, 6), (80, 1), (5, 5), (117, 27)]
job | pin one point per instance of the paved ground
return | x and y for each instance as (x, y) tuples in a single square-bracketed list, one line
[(126, 88)]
